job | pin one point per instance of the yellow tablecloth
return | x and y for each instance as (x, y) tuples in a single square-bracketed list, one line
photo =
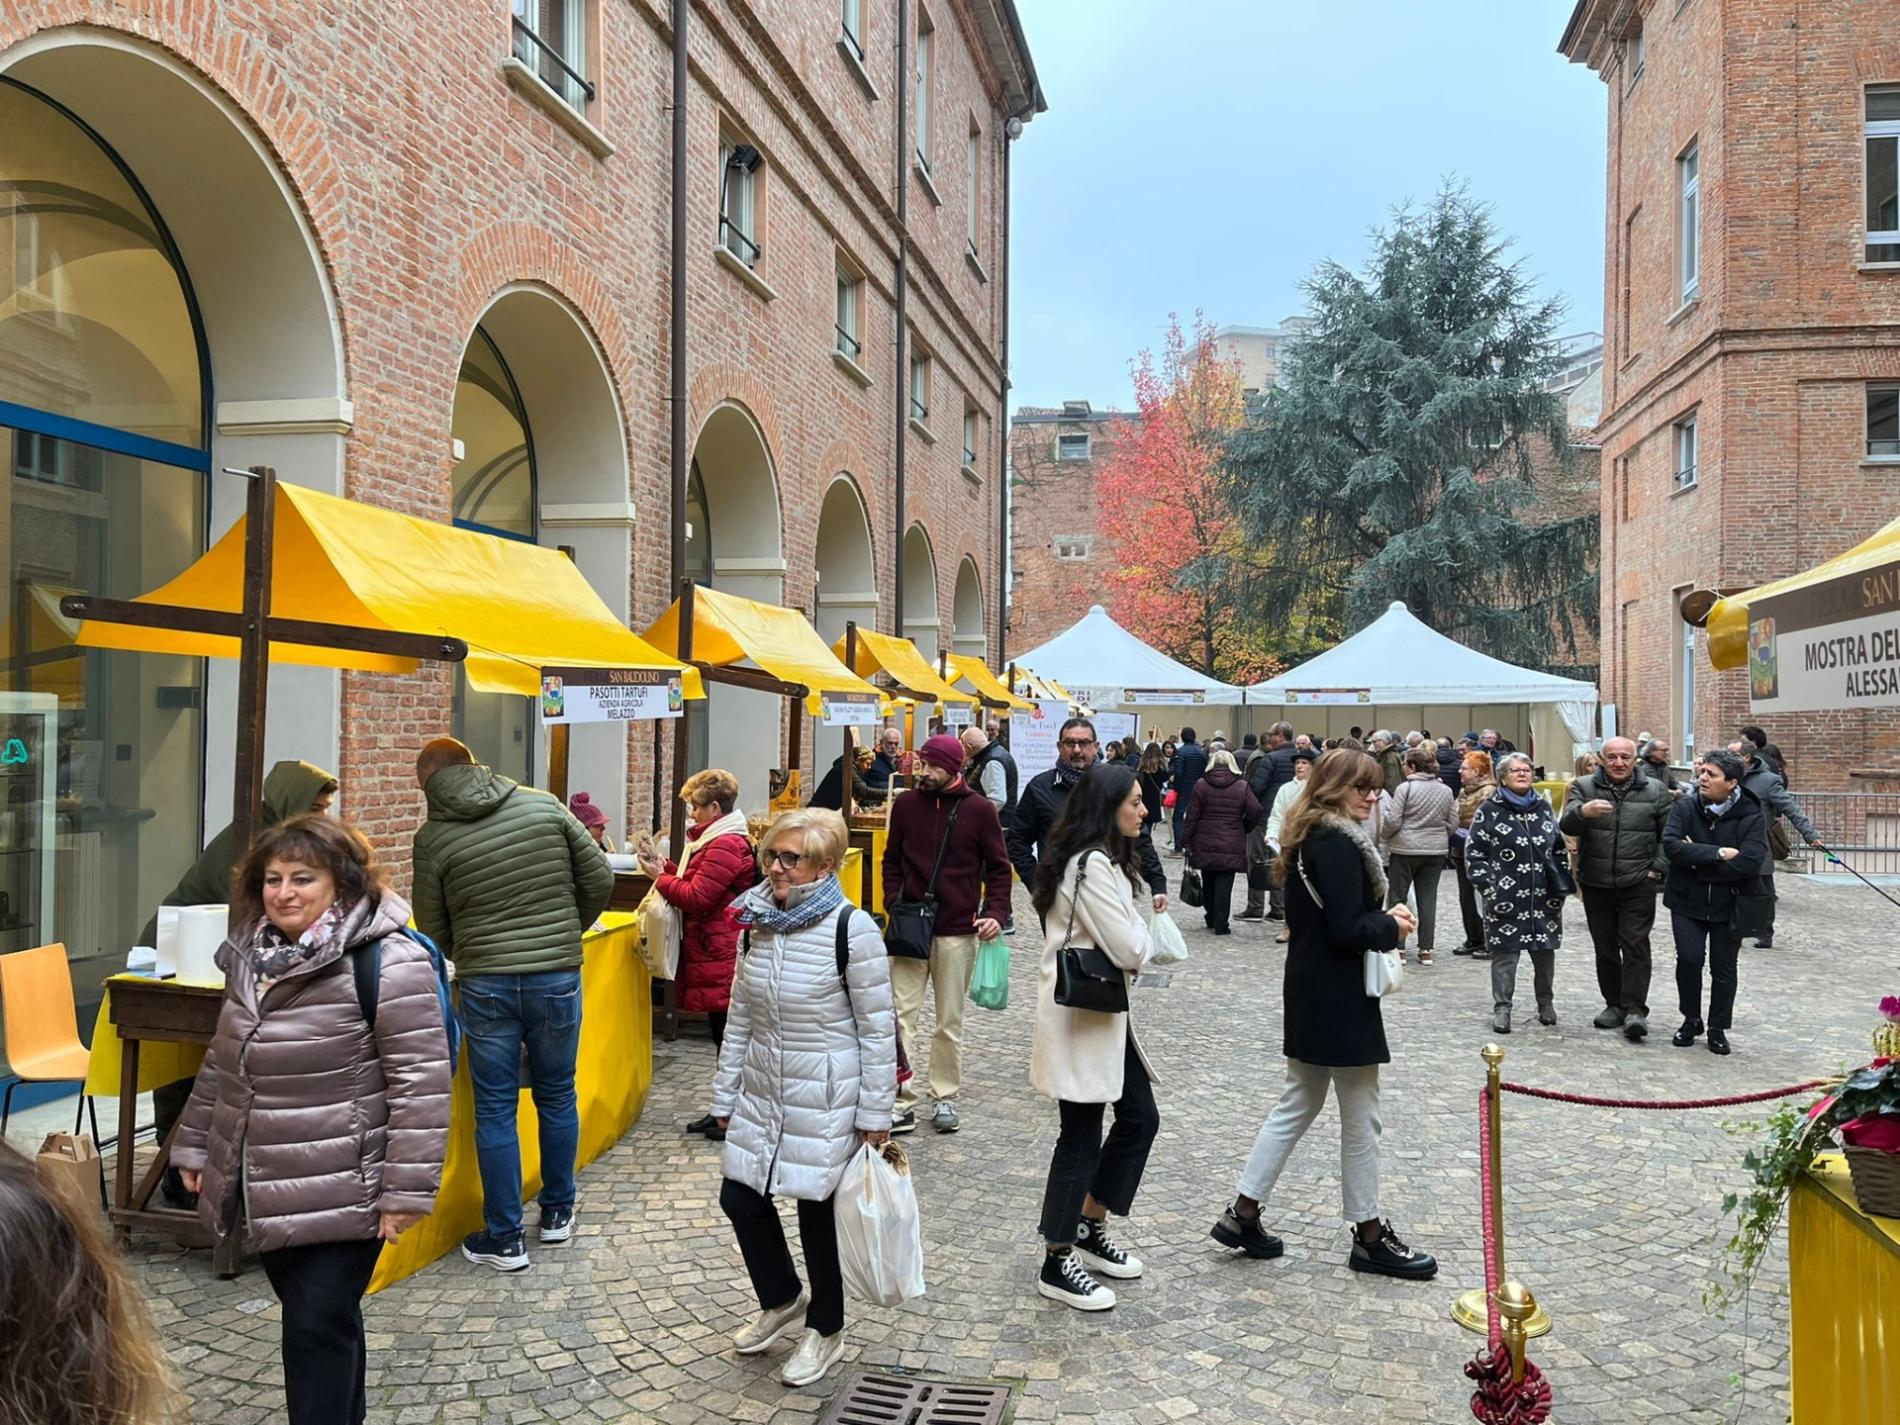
[(852, 873), (1556, 791), (1844, 1296), (612, 1072)]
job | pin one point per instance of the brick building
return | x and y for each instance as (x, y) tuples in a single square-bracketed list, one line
[(419, 255), (1751, 376), (1059, 560)]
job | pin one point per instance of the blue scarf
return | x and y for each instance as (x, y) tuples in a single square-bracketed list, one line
[(805, 905), (1714, 811), (1523, 801)]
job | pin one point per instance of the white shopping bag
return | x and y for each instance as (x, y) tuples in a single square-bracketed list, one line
[(660, 936), (1170, 948), (880, 1239)]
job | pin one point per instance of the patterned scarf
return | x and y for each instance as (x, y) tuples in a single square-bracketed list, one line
[(1714, 811), (278, 955), (1068, 776), (806, 904)]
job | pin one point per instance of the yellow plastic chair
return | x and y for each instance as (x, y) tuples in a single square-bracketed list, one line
[(41, 1024)]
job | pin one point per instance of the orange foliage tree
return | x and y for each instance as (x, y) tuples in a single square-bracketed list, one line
[(1180, 582)]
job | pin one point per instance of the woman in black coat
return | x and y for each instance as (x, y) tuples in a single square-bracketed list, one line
[(1153, 774), (1334, 1033), (1221, 811), (1716, 844)]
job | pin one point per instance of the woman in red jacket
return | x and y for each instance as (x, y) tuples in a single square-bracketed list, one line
[(717, 868)]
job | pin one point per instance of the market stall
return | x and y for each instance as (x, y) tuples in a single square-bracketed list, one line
[(310, 578), (1399, 672), (1101, 663)]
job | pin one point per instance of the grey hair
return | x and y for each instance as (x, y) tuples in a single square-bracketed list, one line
[(1729, 764), (1504, 762)]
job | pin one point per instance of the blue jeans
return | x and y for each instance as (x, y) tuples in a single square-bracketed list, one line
[(499, 1014)]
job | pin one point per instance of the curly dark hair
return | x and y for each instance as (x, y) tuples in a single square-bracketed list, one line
[(314, 840), (1087, 823)]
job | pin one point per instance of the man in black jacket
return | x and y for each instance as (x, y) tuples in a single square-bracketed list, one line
[(1048, 792), (1618, 815), (1766, 785), (1190, 760), (1268, 772)]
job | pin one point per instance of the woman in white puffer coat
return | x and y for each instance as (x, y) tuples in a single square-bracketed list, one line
[(807, 1073)]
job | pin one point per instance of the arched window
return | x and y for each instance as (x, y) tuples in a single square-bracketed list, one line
[(104, 394)]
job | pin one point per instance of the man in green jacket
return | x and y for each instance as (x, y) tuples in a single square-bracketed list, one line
[(291, 789), (506, 883)]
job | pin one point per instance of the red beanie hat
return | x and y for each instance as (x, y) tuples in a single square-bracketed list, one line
[(943, 751), (585, 812)]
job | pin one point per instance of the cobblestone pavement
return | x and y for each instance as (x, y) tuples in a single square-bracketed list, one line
[(1612, 1221)]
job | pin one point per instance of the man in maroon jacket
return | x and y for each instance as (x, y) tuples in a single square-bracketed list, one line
[(972, 904)]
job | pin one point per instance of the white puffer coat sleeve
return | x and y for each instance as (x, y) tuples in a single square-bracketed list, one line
[(806, 1067)]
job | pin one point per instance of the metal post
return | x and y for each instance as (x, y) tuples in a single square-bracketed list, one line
[(253, 693), (847, 769), (902, 343), (1472, 1308), (676, 399), (1002, 571)]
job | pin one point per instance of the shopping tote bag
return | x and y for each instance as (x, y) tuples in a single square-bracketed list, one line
[(989, 981), (880, 1239)]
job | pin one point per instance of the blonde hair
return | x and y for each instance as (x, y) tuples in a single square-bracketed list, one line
[(711, 785), (1223, 758), (823, 829), (1335, 778)]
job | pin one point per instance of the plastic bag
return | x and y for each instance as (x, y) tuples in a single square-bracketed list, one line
[(660, 936), (1170, 947), (989, 981), (880, 1238)]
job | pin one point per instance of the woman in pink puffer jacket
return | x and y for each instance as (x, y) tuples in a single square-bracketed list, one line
[(325, 1132)]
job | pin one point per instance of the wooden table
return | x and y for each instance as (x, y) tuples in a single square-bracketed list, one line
[(162, 1010)]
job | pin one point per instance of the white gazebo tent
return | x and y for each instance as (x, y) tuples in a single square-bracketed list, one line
[(1400, 673), (1107, 667)]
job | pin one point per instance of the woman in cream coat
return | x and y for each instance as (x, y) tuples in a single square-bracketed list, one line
[(1089, 892)]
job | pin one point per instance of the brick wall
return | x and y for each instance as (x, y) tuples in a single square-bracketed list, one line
[(1770, 357), (1052, 501), (431, 185)]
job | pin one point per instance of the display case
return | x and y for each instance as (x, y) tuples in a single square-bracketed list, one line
[(29, 754)]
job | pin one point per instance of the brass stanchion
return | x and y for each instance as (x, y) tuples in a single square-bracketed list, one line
[(1471, 1309)]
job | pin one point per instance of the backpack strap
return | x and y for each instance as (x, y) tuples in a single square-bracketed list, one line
[(366, 963), (843, 944)]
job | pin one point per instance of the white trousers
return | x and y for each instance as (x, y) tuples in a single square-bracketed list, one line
[(1359, 1128)]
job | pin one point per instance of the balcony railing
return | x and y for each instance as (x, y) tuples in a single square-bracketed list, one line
[(849, 344), (919, 412), (548, 52), (741, 246)]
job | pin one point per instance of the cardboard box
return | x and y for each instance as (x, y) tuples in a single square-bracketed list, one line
[(71, 1168)]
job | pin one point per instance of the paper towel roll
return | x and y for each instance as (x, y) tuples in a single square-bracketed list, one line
[(189, 937)]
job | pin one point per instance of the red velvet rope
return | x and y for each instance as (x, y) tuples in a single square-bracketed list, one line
[(1680, 1103)]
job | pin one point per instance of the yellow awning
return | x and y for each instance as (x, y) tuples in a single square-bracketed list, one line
[(1728, 620), (885, 653), (520, 607), (1046, 690), (40, 651), (728, 629), (974, 671)]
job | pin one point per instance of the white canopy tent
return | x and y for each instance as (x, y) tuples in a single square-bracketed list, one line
[(1396, 669), (1107, 667)]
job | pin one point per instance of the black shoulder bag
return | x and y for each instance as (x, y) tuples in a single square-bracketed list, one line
[(1085, 977), (909, 925)]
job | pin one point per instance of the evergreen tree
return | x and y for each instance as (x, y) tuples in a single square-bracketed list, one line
[(1397, 457)]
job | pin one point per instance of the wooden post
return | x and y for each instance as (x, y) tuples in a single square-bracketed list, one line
[(253, 692), (558, 733), (847, 769), (682, 730)]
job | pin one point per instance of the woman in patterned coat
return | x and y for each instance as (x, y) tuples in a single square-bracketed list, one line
[(1508, 857)]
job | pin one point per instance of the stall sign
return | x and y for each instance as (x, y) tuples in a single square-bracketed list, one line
[(1174, 697), (850, 709), (571, 695), (1114, 726), (1831, 645), (1328, 697), (1034, 734), (956, 714)]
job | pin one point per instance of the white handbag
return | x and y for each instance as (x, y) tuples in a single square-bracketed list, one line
[(660, 934), (1384, 969)]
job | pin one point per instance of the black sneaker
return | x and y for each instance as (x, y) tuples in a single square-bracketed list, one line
[(1099, 1252), (1767, 942), (1686, 1035), (557, 1224), (1635, 1028), (175, 1194), (1466, 949), (702, 1123), (1065, 1279), (1718, 1042), (1387, 1256), (905, 1122), (508, 1254), (1276, 915), (1247, 1235), (1251, 915)]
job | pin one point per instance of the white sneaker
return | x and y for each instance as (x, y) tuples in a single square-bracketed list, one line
[(815, 1355), (771, 1325)]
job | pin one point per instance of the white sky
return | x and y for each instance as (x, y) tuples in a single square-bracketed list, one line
[(1208, 153)]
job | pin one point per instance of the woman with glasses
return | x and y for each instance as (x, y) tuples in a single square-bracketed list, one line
[(807, 1073), (1334, 1032), (1511, 857)]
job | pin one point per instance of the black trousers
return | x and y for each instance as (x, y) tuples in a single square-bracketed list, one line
[(1085, 1166), (1620, 922), (1219, 889), (321, 1287), (1468, 907), (1722, 951), (716, 1022), (768, 1259)]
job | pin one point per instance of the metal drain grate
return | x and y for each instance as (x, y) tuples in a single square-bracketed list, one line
[(895, 1400)]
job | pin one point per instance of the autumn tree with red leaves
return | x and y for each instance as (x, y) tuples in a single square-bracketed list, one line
[(1181, 582)]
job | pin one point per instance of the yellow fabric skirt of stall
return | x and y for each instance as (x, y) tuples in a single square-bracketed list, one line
[(612, 1071), (1844, 1296)]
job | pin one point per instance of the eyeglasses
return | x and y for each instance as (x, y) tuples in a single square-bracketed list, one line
[(1076, 744), (786, 860)]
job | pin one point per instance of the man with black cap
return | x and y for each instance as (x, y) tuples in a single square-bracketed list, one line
[(945, 827)]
